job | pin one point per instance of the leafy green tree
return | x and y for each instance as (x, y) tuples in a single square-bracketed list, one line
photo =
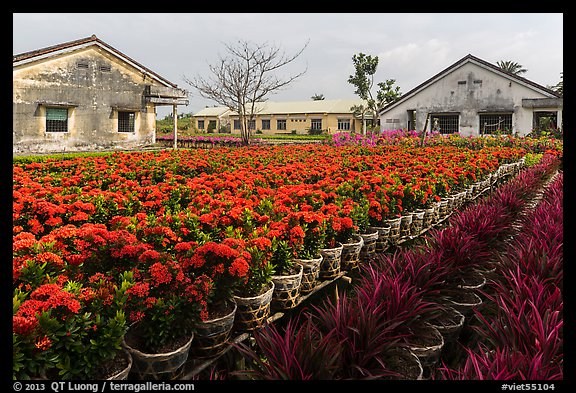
[(363, 79)]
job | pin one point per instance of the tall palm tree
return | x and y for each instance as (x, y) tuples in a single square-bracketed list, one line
[(511, 66)]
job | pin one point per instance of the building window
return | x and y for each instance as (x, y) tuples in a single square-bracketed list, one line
[(281, 124), (56, 119), (200, 124), (545, 121), (126, 121), (494, 123), (411, 114), (316, 124), (445, 124), (237, 124), (265, 124), (343, 124), (252, 124)]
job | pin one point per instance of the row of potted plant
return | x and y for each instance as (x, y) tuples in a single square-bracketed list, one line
[(416, 138), (204, 140), (397, 297), (159, 269), (523, 338)]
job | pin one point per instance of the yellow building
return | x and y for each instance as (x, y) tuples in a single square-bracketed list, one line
[(298, 117)]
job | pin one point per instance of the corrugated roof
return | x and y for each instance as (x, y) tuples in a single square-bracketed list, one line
[(293, 107), (83, 42)]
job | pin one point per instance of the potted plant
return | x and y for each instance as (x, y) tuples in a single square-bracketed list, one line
[(68, 321), (337, 228), (67, 330), (163, 306), (369, 235), (287, 276), (226, 264), (308, 254), (253, 298)]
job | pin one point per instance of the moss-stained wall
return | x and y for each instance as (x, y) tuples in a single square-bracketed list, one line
[(94, 85)]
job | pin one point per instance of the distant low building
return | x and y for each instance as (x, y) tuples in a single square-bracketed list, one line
[(474, 97), (85, 95), (287, 117)]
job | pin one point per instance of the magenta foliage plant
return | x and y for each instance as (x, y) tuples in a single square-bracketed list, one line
[(503, 364), (522, 331), (298, 351), (364, 334)]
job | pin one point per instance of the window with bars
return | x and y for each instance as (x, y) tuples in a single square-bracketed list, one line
[(236, 124), (265, 124), (344, 124), (494, 123), (316, 124), (281, 124), (56, 119), (126, 121), (445, 123), (200, 124)]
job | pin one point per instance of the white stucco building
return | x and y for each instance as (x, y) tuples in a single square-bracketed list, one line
[(474, 97)]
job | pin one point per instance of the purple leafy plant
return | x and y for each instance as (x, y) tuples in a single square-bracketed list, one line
[(296, 352), (363, 333), (502, 364)]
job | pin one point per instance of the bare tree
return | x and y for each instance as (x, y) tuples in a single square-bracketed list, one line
[(244, 77)]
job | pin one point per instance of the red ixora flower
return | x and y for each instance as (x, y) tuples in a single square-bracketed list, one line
[(160, 274), (140, 289), (49, 297)]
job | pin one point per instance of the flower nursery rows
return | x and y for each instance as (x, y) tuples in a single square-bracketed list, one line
[(157, 240), (413, 299)]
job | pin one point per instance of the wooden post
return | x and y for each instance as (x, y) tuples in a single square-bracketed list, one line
[(175, 116)]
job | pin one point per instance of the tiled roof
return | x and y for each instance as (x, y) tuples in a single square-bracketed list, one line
[(83, 42)]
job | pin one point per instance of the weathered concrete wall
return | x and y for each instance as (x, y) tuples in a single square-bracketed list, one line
[(95, 94), (479, 90)]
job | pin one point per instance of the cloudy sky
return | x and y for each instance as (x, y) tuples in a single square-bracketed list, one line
[(411, 47)]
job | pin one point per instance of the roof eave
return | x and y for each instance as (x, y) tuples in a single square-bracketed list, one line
[(32, 56), (461, 62)]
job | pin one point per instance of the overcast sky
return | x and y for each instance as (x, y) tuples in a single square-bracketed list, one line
[(411, 47)]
